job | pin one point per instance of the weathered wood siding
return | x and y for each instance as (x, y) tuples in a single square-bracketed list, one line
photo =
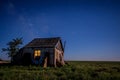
[(59, 54), (50, 51)]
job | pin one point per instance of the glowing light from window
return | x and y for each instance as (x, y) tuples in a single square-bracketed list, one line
[(37, 53)]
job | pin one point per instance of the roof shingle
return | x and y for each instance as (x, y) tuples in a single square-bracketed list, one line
[(43, 42)]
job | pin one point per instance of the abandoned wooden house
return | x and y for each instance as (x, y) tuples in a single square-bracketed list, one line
[(42, 51)]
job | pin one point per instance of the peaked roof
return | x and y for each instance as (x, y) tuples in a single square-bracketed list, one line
[(43, 42)]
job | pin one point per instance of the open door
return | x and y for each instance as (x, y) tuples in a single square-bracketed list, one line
[(27, 59)]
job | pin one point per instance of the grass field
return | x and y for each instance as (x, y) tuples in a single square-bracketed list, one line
[(76, 70)]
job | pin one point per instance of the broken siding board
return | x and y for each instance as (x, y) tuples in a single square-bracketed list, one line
[(45, 63)]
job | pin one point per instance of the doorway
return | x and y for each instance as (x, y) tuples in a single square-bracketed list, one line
[(27, 59)]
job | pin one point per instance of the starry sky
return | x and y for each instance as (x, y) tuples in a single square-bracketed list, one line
[(91, 28)]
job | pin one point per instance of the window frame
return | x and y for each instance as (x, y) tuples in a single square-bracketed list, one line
[(37, 54)]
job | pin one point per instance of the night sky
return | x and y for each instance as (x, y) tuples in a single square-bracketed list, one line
[(91, 28)]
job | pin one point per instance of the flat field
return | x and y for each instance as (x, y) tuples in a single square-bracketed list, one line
[(74, 70)]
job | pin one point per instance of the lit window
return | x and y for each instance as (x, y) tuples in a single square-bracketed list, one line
[(37, 54)]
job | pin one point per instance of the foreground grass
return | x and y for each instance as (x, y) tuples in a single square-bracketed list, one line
[(76, 70)]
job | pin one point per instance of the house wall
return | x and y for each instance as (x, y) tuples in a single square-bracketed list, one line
[(59, 54), (50, 51)]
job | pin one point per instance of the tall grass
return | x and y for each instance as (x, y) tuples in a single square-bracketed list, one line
[(76, 70)]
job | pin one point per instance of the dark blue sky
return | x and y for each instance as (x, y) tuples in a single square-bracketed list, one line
[(91, 28)]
